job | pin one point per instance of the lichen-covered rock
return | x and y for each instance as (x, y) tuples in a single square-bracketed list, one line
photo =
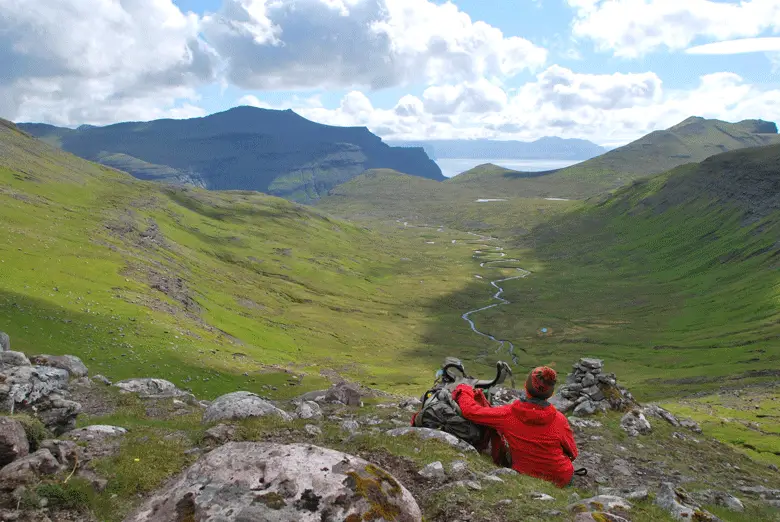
[(29, 384), (308, 410), (345, 393), (70, 363), (241, 405), (147, 388), (244, 481), (428, 433), (10, 358), (598, 516), (314, 396), (586, 407), (691, 425), (28, 470), (102, 379), (680, 504), (13, 441), (5, 342), (635, 423), (351, 426)]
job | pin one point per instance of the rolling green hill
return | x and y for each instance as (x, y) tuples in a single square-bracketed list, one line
[(692, 140), (145, 279), (388, 195), (244, 148)]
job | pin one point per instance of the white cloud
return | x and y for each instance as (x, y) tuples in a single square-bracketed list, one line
[(609, 109), (744, 45), (469, 97), (632, 28), (67, 61), (277, 45)]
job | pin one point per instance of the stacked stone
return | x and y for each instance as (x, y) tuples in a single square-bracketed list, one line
[(588, 390)]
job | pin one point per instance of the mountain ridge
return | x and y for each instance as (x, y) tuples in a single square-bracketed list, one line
[(244, 148)]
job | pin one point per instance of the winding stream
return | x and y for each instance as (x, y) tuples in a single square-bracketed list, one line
[(480, 251)]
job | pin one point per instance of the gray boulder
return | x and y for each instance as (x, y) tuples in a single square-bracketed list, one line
[(586, 407), (241, 405), (58, 413), (13, 359), (297, 482), (584, 423), (691, 425), (147, 388), (102, 379), (434, 471), (312, 430), (66, 452), (656, 411), (70, 363), (680, 505), (561, 404), (28, 470), (428, 433), (635, 423), (13, 441), (351, 426), (219, 434), (345, 393), (5, 342), (314, 396), (602, 503), (308, 410), (96, 432)]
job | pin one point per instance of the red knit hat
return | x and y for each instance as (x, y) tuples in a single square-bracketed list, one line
[(541, 382)]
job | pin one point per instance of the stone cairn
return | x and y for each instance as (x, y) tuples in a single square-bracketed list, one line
[(588, 390)]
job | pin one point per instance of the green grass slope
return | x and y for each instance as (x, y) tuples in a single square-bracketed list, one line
[(677, 276), (692, 140), (389, 195), (201, 288)]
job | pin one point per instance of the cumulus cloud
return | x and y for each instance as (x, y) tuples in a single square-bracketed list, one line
[(97, 61), (475, 97), (610, 109), (632, 28), (270, 44)]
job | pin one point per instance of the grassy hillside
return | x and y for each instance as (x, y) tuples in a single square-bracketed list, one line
[(692, 140), (677, 276), (389, 195), (214, 291)]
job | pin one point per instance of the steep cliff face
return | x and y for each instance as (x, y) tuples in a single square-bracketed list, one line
[(278, 152)]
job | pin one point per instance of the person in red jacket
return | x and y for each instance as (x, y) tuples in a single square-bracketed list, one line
[(539, 437)]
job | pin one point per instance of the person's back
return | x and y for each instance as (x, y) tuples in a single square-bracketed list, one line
[(540, 439)]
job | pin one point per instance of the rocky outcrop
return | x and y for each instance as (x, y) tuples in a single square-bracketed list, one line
[(70, 363), (656, 411), (272, 482), (241, 405), (680, 504), (5, 342), (588, 390), (308, 410), (13, 441), (10, 358), (28, 470), (96, 431)]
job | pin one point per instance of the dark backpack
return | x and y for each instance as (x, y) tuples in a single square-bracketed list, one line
[(439, 411)]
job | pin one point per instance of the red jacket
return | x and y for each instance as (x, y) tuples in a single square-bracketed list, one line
[(539, 437)]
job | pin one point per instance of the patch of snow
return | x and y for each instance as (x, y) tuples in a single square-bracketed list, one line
[(488, 200)]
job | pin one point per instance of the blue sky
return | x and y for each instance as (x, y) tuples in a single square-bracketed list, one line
[(605, 70)]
